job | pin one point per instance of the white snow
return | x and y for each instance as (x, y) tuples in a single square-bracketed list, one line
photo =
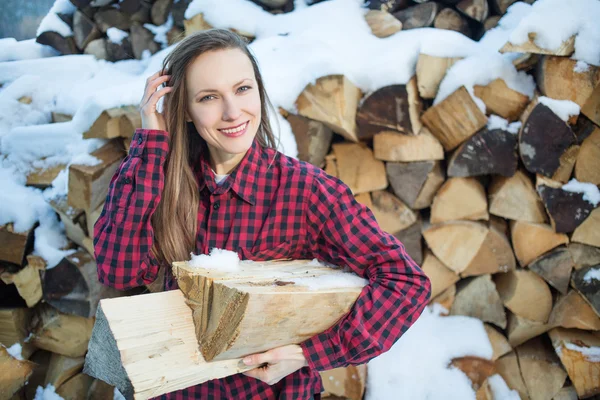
[(220, 259), (15, 351), (46, 393), (592, 274), (500, 390), (11, 50), (496, 122), (117, 395), (116, 35), (52, 22), (592, 354), (581, 67), (341, 280), (590, 191), (418, 365), (160, 32), (564, 109)]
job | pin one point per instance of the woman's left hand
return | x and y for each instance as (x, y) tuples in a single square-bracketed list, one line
[(281, 362)]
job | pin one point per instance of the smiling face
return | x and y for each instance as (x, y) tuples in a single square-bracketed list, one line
[(223, 102)]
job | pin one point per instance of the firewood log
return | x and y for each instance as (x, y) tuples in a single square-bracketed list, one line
[(445, 299), (112, 18), (494, 255), (540, 368), (358, 168), (88, 184), (477, 297), (441, 277), (508, 368), (452, 20), (91, 218), (312, 137), (477, 369), (491, 22), (15, 374), (84, 30), (114, 122), (160, 11), (387, 5), (565, 49), (62, 368), (473, 157), (566, 393), (418, 16), (382, 23), (76, 388), (391, 213), (589, 288), (347, 383), (500, 6), (60, 117), (557, 79), (100, 390), (567, 210), (584, 255), (584, 371), (555, 268), (501, 100), (393, 146), (498, 341), (521, 329), (142, 39), (64, 45), (74, 220), (475, 9), (430, 72), (530, 240), (455, 119), (591, 108), (587, 166), (411, 238), (395, 107), (195, 24), (15, 246), (42, 177), (525, 294), (572, 311), (460, 198), (589, 230), (27, 280), (415, 183), (14, 325), (515, 198)]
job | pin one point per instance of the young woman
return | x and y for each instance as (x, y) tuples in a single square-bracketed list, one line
[(206, 174)]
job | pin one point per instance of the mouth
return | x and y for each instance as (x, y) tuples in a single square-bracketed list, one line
[(237, 131)]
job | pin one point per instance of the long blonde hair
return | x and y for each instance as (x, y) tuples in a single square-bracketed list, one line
[(175, 219)]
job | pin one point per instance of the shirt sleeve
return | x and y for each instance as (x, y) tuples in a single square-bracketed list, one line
[(345, 233), (123, 234)]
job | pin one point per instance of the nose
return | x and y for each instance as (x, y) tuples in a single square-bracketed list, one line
[(231, 110)]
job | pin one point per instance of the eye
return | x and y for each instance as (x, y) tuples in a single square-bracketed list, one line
[(241, 87), (205, 97)]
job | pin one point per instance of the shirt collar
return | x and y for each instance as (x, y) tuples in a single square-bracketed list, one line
[(242, 180)]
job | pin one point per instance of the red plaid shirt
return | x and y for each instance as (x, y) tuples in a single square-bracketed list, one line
[(288, 209)]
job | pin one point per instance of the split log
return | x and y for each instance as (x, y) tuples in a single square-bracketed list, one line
[(42, 359), (15, 246), (358, 168), (459, 198), (589, 231), (382, 23), (530, 240), (455, 119), (566, 393), (557, 78), (27, 280), (347, 383), (312, 137), (540, 368), (567, 210), (393, 146), (249, 304), (84, 29), (572, 311), (566, 164), (478, 298), (566, 48), (508, 368), (555, 268), (62, 368), (391, 213), (60, 333), (501, 100), (473, 157), (584, 282), (395, 107), (109, 124), (415, 183), (474, 9), (387, 5), (498, 341), (141, 40), (76, 388), (494, 255), (574, 349), (14, 325), (15, 374), (88, 184), (477, 369), (418, 16), (100, 390), (583, 128), (98, 48), (332, 100), (456, 243), (195, 24), (73, 219), (491, 22), (411, 238), (451, 20), (91, 218), (587, 167), (584, 255), (430, 72), (441, 277), (500, 6), (42, 177), (160, 11), (521, 329), (515, 198), (112, 18), (60, 117), (525, 294), (64, 45), (543, 140), (591, 108), (445, 299)]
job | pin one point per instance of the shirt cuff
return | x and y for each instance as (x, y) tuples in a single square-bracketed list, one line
[(320, 353), (149, 141)]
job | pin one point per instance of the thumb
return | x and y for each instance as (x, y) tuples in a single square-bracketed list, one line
[(260, 358)]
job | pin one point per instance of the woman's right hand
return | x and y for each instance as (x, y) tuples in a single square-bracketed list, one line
[(151, 118)]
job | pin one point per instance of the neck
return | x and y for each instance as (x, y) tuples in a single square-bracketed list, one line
[(224, 163)]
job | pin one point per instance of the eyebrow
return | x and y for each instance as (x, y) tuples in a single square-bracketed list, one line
[(214, 90)]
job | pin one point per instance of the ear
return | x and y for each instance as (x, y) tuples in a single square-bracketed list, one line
[(187, 117)]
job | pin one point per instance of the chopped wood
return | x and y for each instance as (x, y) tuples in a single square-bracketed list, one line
[(88, 185), (415, 183), (62, 368), (418, 16), (567, 210), (313, 138), (382, 23), (347, 383), (234, 312), (411, 239), (521, 329), (456, 243), (112, 18), (530, 240), (441, 277), (398, 147), (114, 122), (459, 198), (14, 325), (475, 9), (501, 100), (477, 297), (452, 20), (358, 168), (64, 45), (566, 393), (60, 333), (565, 49), (455, 119), (84, 29), (91, 218), (76, 388), (584, 282), (60, 117), (395, 107), (474, 157), (583, 370), (558, 79), (525, 294), (500, 6), (484, 392), (160, 11), (445, 299), (543, 140), (73, 219), (477, 369), (334, 101), (100, 390), (584, 255), (583, 128), (391, 213), (142, 39), (591, 108), (162, 363), (42, 359), (555, 268), (515, 198), (589, 231), (566, 164), (430, 72), (387, 5), (494, 255), (195, 24), (16, 245), (27, 280), (525, 61), (15, 374), (572, 311), (42, 177), (540, 369), (331, 165), (587, 167), (498, 341), (508, 368)]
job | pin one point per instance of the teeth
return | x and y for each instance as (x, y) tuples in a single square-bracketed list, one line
[(241, 128)]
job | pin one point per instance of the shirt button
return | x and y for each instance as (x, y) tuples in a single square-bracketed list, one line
[(216, 205), (140, 139), (127, 181)]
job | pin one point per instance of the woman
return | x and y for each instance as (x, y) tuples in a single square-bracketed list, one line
[(207, 175)]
